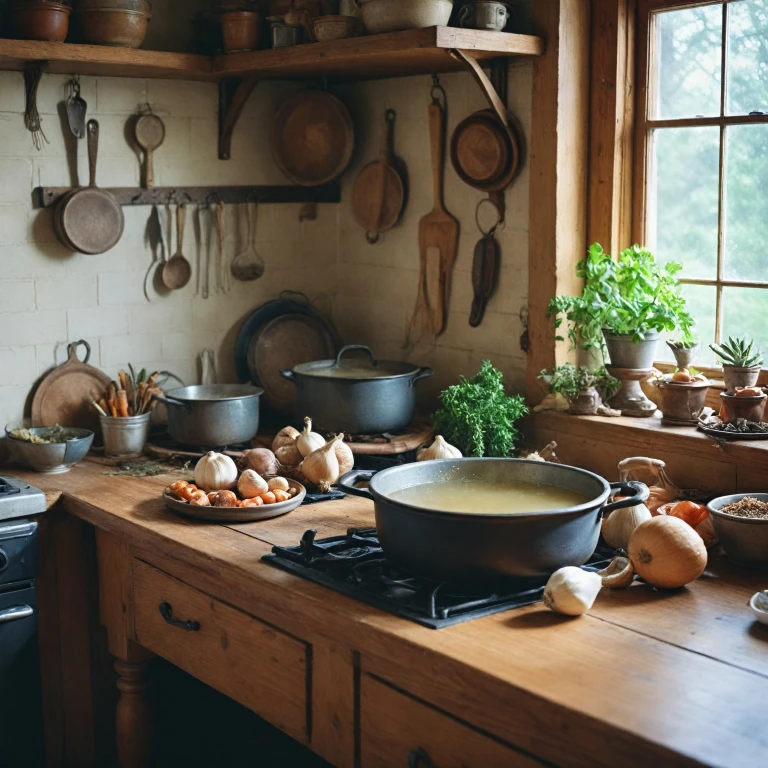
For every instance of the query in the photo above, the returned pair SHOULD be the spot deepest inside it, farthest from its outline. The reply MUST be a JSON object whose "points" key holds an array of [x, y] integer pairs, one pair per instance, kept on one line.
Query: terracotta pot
{"points": [[112, 26], [740, 377], [683, 355], [683, 401], [586, 404], [240, 31], [41, 21], [735, 408]]}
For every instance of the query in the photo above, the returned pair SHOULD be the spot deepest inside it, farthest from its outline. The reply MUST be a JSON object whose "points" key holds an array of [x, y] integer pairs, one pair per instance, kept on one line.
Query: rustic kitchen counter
{"points": [[645, 678]]}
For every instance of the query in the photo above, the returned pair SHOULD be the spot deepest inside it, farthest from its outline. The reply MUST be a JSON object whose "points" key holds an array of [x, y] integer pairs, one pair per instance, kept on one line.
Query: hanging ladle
{"points": [[249, 265], [177, 270]]}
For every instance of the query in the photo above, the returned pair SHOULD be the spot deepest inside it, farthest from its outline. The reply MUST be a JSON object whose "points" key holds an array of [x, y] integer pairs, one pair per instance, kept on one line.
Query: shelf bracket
{"points": [[233, 96]]}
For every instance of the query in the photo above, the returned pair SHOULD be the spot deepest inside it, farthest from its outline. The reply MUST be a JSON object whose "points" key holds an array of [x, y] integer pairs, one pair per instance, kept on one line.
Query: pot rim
{"points": [[751, 399], [588, 506], [649, 336], [742, 368], [308, 370], [723, 501], [252, 392]]}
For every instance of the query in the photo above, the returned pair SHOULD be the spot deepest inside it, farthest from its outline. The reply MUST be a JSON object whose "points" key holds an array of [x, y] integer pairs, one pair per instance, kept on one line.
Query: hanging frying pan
{"points": [[89, 220]]}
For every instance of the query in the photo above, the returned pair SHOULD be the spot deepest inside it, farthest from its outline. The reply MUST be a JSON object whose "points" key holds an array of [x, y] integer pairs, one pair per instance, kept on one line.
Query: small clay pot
{"points": [[586, 404], [682, 402], [735, 408], [112, 26], [683, 355], [240, 31], [740, 377], [329, 28], [41, 21]]}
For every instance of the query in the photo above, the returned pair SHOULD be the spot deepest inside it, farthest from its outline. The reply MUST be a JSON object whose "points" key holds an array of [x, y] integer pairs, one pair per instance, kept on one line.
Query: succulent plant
{"points": [[739, 353]]}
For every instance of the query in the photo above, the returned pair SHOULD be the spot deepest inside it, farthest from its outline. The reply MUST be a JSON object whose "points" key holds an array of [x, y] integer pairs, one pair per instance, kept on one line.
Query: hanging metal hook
{"points": [[438, 92]]}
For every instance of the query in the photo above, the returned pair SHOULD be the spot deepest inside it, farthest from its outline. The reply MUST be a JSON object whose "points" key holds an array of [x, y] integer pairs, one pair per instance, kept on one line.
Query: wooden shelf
{"points": [[412, 52]]}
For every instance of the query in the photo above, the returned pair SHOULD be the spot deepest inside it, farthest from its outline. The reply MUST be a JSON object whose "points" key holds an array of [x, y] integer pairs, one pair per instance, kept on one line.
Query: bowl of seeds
{"points": [[741, 525]]}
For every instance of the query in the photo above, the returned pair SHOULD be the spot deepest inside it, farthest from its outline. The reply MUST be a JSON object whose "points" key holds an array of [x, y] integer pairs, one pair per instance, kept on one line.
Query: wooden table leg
{"points": [[134, 721]]}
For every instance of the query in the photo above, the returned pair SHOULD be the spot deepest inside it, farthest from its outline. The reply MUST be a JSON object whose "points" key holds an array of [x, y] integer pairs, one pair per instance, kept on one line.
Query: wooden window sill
{"points": [[694, 459]]}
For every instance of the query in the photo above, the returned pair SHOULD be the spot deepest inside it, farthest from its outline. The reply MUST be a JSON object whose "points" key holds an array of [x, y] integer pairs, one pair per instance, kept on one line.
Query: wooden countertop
{"points": [[677, 678]]}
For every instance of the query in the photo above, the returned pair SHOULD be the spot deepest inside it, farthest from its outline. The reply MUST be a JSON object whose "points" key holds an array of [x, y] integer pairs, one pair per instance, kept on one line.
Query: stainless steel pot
{"points": [[447, 546], [213, 415], [354, 396]]}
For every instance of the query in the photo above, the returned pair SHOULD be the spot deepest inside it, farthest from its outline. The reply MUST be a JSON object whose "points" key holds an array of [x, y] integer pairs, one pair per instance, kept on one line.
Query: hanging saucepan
{"points": [[88, 219], [477, 546], [357, 396], [486, 147]]}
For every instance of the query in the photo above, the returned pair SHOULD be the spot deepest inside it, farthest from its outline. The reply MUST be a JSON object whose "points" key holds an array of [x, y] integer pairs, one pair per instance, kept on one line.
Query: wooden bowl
{"points": [[112, 26], [240, 31], [41, 21]]}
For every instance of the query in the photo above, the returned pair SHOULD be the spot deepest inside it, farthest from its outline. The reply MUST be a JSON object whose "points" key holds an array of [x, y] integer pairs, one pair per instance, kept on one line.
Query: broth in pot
{"points": [[484, 497]]}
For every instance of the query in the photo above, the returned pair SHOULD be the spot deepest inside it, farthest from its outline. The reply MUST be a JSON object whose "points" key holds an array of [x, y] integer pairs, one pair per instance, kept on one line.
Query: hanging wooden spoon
{"points": [[177, 270], [150, 134]]}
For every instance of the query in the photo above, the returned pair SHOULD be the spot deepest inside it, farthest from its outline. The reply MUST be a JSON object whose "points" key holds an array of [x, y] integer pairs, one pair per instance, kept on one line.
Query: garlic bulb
{"points": [[344, 456], [309, 441], [278, 484], [440, 449], [322, 466], [215, 472], [285, 436], [620, 524], [288, 455], [572, 591], [251, 484]]}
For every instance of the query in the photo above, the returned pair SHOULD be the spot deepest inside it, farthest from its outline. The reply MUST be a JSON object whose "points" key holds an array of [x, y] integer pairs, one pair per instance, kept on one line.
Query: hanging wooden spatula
{"points": [[438, 232]]}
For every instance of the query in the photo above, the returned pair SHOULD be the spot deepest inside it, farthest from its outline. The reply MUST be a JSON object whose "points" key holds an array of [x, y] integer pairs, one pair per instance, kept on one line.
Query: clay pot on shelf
{"points": [[586, 404], [109, 24], [740, 377], [684, 356], [240, 31], [329, 28], [682, 402], [625, 352], [36, 20], [735, 408]]}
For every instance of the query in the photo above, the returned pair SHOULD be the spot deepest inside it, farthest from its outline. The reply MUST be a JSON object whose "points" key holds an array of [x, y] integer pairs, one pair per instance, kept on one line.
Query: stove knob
{"points": [[3, 560]]}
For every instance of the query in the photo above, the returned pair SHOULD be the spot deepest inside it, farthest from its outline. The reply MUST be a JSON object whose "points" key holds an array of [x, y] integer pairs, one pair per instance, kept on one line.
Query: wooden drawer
{"points": [[245, 659], [394, 726]]}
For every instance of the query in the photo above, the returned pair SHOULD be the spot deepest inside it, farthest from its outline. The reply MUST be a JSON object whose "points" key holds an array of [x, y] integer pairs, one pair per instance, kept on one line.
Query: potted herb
{"points": [[624, 307], [478, 417], [584, 389], [683, 350], [741, 362]]}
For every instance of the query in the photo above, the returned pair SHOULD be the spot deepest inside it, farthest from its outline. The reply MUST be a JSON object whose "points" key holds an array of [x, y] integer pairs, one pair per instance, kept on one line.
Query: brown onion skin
{"points": [[260, 460]]}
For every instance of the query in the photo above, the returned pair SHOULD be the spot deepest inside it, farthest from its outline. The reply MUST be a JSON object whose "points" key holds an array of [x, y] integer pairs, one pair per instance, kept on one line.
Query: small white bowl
{"points": [[759, 606]]}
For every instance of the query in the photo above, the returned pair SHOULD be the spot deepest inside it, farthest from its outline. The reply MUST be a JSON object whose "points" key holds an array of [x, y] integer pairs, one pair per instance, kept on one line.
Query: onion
{"points": [[260, 460]]}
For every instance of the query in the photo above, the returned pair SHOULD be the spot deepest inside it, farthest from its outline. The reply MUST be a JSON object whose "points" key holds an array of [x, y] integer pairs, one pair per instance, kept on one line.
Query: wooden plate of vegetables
{"points": [[222, 494]]}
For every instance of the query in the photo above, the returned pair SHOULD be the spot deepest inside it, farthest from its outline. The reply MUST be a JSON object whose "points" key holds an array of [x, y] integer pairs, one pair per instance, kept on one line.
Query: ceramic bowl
{"points": [[329, 28], [392, 15], [51, 458], [112, 26], [41, 21], [744, 539], [759, 606]]}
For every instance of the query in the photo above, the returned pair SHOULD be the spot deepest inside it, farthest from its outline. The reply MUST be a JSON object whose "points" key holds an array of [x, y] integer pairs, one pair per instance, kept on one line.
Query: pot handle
{"points": [[423, 373], [172, 401], [355, 347], [636, 492], [347, 483], [288, 373]]}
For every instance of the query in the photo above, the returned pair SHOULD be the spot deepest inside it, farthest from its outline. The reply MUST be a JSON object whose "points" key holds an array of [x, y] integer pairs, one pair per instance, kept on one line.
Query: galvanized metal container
{"points": [[51, 458], [124, 437], [744, 539]]}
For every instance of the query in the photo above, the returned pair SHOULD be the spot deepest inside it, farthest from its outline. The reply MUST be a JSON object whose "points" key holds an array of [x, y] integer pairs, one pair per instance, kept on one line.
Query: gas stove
{"points": [[17, 499], [355, 565]]}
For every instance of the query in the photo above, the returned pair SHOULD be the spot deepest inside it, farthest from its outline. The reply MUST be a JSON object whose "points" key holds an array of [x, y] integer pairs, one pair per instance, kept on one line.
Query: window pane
{"points": [[745, 313], [683, 199], [746, 203], [702, 304], [689, 59], [747, 64]]}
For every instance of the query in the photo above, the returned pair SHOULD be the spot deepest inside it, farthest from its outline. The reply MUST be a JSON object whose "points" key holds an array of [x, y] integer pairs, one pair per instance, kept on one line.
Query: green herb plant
{"points": [[571, 380], [478, 417], [629, 297], [739, 352]]}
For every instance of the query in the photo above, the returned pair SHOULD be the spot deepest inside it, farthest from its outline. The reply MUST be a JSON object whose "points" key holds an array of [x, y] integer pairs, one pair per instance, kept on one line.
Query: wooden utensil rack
{"points": [[47, 197]]}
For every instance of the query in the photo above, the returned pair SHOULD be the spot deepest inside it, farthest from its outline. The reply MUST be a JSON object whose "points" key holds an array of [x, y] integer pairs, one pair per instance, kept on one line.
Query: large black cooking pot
{"points": [[449, 546], [357, 396]]}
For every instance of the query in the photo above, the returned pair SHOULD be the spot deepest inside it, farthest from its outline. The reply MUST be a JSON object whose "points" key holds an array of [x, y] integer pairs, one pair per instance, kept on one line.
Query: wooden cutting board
{"points": [[63, 396]]}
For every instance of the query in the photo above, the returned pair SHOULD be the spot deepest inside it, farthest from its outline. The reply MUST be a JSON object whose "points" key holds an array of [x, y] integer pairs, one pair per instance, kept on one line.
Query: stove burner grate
{"points": [[355, 565]]}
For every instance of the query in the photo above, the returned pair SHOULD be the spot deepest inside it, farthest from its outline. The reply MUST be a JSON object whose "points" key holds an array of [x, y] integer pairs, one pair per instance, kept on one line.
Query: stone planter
{"points": [[683, 355], [682, 401], [739, 377], [626, 353], [586, 404]]}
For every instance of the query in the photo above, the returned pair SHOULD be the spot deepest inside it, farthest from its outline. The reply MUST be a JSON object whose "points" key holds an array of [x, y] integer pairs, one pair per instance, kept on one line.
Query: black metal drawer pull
{"points": [[166, 611], [419, 757]]}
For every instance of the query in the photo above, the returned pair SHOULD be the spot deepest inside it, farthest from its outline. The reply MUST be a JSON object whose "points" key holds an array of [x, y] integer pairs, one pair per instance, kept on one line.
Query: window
{"points": [[702, 158]]}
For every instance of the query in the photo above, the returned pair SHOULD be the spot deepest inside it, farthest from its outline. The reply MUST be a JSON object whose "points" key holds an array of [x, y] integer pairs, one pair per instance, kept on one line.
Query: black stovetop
{"points": [[356, 566]]}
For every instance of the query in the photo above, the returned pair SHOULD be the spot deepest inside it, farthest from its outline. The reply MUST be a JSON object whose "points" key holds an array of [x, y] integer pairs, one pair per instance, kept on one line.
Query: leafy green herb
{"points": [[478, 417], [570, 380], [632, 296]]}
